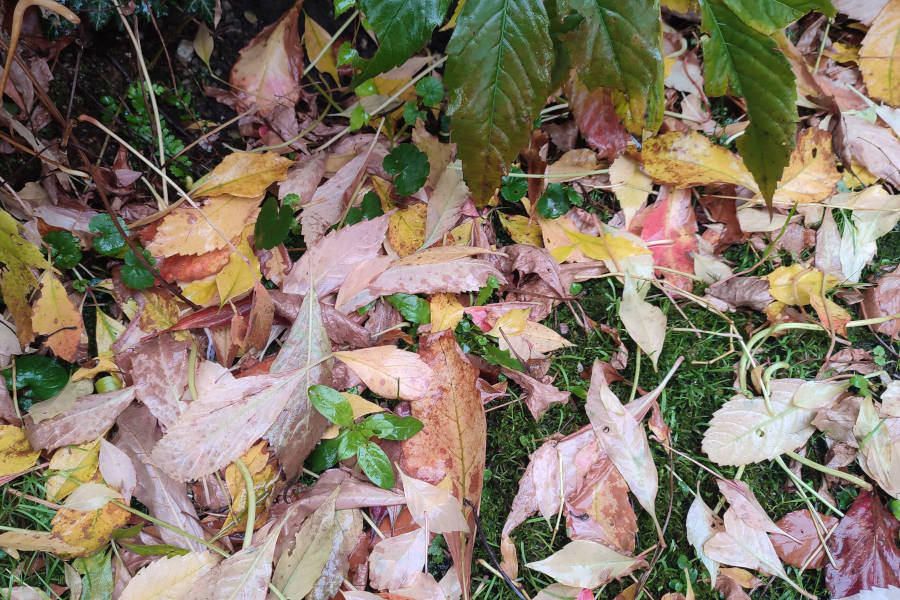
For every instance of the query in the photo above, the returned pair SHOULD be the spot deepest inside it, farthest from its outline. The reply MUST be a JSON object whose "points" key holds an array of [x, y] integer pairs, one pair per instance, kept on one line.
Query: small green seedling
{"points": [[65, 252], [410, 167], [354, 438], [414, 309]]}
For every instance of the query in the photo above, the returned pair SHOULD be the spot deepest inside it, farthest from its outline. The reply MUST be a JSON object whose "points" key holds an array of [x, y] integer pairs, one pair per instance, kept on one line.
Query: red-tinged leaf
{"points": [[807, 552], [165, 498], [159, 368], [864, 547], [595, 114], [88, 418], [672, 218], [179, 267], [463, 275], [538, 395]]}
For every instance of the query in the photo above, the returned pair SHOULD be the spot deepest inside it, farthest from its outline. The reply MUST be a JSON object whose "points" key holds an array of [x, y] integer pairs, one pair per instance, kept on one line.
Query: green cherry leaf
{"points": [[410, 167], [376, 465]]}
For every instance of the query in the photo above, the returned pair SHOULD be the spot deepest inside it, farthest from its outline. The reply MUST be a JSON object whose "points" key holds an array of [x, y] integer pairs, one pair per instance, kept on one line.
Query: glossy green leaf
{"points": [[514, 189], [391, 427], [332, 404], [498, 74], [38, 377], [65, 252], [414, 309], [619, 46], [737, 56], [376, 465], [109, 241], [349, 442], [431, 90], [402, 28], [769, 16], [342, 6], [134, 273], [324, 456], [410, 167], [346, 54], [554, 202], [502, 358], [272, 225]]}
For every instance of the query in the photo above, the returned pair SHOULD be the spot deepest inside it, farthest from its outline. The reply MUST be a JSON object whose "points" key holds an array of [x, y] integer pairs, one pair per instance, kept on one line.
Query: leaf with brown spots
{"points": [[88, 530], [57, 317]]}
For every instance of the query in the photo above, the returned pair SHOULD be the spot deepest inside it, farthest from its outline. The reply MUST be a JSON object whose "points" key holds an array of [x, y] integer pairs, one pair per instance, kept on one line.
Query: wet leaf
{"points": [[169, 577], [17, 280], [672, 218], [700, 525], [645, 323], [445, 204], [73, 466], [390, 372], [88, 530], [242, 576], [272, 225], [409, 166], [395, 560], [315, 39], [586, 564], [56, 316], [88, 418], [16, 454], [432, 507], [684, 160], [879, 449], [184, 231], [879, 55], [807, 553]]}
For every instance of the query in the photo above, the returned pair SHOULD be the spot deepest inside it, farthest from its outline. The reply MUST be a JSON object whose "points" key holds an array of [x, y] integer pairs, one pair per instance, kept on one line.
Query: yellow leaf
{"points": [[361, 407], [237, 277], [811, 175], [243, 174], [688, 159], [462, 233], [446, 312], [315, 38], [185, 231], [17, 280], [161, 310], [830, 314], [265, 476], [630, 186], [556, 240], [169, 577], [203, 43], [16, 454], [532, 341], [35, 541], [879, 55], [522, 230], [842, 53], [201, 291], [107, 332], [88, 530], [57, 317], [796, 283], [511, 322], [406, 230], [682, 6], [103, 365], [606, 246], [72, 466]]}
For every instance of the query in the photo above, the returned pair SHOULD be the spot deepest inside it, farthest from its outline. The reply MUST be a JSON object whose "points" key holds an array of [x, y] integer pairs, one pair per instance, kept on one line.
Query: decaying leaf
{"points": [[395, 560], [56, 317], [432, 507], [586, 564], [16, 453], [645, 323], [390, 372], [807, 552], [169, 577], [88, 418]]}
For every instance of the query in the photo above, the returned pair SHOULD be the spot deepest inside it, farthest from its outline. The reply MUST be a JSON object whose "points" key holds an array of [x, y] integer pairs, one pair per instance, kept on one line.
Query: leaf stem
{"points": [[829, 471], [251, 502], [177, 530]]}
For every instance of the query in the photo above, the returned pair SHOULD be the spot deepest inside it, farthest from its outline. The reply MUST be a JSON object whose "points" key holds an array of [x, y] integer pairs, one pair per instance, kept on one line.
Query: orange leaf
{"points": [[56, 316]]}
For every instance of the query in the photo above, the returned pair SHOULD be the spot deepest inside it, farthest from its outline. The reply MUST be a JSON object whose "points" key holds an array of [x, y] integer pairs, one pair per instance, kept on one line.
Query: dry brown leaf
{"points": [[87, 419], [170, 577], [159, 368], [243, 174], [882, 301], [184, 231], [463, 275], [56, 316], [538, 395], [586, 564], [439, 155], [600, 511], [227, 417], [349, 530], [264, 474], [807, 552], [300, 565], [879, 55]]}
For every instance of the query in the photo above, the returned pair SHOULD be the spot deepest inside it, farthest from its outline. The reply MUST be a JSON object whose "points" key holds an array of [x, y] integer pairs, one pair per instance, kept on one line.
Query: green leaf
{"points": [[109, 241], [98, 576], [431, 90], [554, 202], [411, 113], [332, 404], [619, 46], [358, 118], [502, 358], [410, 167], [65, 252], [134, 273], [368, 209], [769, 16], [376, 465], [155, 549], [738, 56], [402, 28], [489, 288], [39, 377], [324, 456], [342, 6], [346, 54], [514, 189], [348, 443], [272, 225], [414, 309], [391, 427], [498, 74]]}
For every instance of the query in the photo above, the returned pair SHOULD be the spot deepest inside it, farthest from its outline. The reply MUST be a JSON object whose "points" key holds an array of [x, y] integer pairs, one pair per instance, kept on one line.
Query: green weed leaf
{"points": [[391, 427], [431, 90], [410, 167], [155, 549], [554, 202], [348, 443], [498, 74], [134, 273], [109, 241], [37, 377], [342, 6], [402, 28], [737, 56], [332, 404], [65, 252], [502, 358], [769, 16], [618, 46], [514, 189], [272, 225], [414, 309], [376, 465], [324, 456]]}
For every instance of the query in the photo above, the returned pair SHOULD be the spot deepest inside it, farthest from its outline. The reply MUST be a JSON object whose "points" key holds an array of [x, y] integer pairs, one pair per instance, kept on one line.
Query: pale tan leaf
{"points": [[879, 55], [874, 147], [349, 528], [87, 419], [91, 496], [117, 469], [242, 576], [227, 417], [395, 560], [184, 230], [39, 541], [315, 40], [56, 316], [390, 372], [203, 43], [433, 507], [701, 524], [645, 323], [532, 342], [169, 578], [630, 185], [746, 506], [880, 454], [61, 402], [586, 564], [439, 155], [303, 178], [444, 204]]}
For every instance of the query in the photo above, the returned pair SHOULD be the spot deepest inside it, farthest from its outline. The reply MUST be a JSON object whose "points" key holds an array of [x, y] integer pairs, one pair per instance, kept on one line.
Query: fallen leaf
{"points": [[688, 159], [88, 418], [36, 541], [170, 577], [16, 454], [672, 218], [883, 300], [807, 553], [57, 317], [600, 510], [316, 42], [811, 174], [433, 508], [445, 204], [390, 372], [242, 576], [701, 524], [70, 467], [395, 560], [879, 450], [91, 496], [537, 395], [264, 474], [522, 229], [88, 530], [879, 55], [159, 368], [875, 148], [117, 470], [227, 417], [446, 312], [745, 505], [17, 280], [630, 186], [586, 564], [186, 232], [240, 274], [203, 44], [858, 242], [864, 547], [406, 232], [453, 276], [595, 113], [645, 323], [243, 174]]}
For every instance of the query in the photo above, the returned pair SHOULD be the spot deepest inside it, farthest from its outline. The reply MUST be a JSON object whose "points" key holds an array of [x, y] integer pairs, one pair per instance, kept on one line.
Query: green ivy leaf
{"points": [[272, 225], [414, 309], [431, 90], [769, 16], [737, 56], [332, 404], [65, 252], [402, 28], [109, 241], [410, 167], [134, 273], [498, 74], [324, 456], [391, 427], [619, 46], [38, 377], [349, 442], [502, 358], [514, 189], [554, 202], [376, 465]]}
